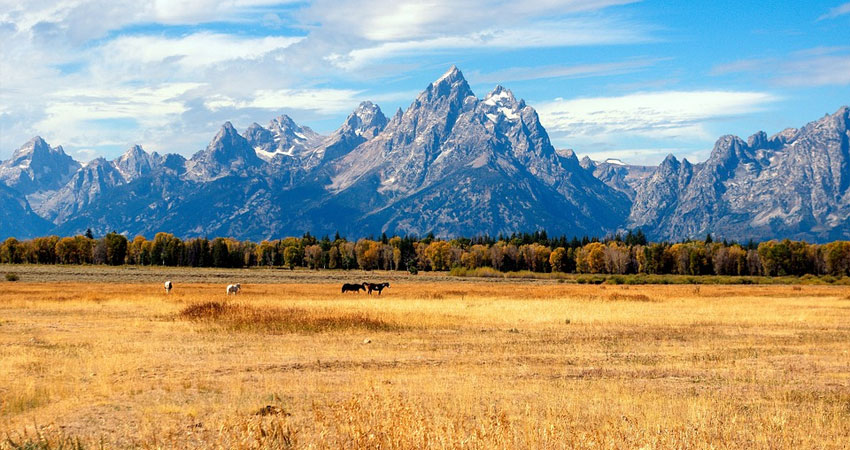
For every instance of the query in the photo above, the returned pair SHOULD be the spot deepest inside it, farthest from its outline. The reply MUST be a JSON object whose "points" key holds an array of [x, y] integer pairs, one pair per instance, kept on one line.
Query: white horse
{"points": [[233, 288], [168, 286]]}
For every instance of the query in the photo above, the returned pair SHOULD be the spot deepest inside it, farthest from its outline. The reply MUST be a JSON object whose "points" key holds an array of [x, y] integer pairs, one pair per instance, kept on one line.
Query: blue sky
{"points": [[610, 78]]}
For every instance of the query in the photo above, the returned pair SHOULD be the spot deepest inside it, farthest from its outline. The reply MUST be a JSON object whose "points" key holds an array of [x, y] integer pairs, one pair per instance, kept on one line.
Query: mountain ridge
{"points": [[450, 164]]}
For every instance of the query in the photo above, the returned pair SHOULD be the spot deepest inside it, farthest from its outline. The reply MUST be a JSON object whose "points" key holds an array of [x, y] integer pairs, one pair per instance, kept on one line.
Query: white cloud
{"points": [[153, 105], [839, 10], [403, 20], [72, 114], [562, 33], [572, 71], [85, 154], [668, 114], [820, 66], [191, 52], [81, 20], [94, 73], [326, 101], [818, 71], [194, 11]]}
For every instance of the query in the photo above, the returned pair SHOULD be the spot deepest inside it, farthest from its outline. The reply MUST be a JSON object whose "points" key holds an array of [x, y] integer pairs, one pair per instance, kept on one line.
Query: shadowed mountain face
{"points": [[17, 219], [451, 164]]}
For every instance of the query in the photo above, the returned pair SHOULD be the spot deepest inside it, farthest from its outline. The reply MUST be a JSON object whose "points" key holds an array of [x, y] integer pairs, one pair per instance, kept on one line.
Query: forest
{"points": [[536, 252]]}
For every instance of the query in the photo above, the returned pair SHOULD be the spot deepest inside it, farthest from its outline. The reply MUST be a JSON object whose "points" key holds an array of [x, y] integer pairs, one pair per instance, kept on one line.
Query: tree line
{"points": [[535, 252]]}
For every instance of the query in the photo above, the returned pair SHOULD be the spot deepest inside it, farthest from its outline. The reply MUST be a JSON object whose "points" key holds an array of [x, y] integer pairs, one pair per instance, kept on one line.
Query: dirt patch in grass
{"points": [[269, 319]]}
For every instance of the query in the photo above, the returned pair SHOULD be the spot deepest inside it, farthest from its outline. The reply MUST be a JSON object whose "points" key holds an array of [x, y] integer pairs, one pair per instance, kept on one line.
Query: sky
{"points": [[634, 80]]}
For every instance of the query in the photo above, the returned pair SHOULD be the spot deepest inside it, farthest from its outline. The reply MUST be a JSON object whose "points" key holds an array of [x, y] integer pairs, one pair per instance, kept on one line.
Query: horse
{"points": [[376, 287], [234, 288], [168, 286], [353, 287]]}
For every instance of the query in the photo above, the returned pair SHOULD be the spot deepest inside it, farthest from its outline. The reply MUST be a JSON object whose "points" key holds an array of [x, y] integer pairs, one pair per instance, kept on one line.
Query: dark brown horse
{"points": [[376, 287], [353, 287]]}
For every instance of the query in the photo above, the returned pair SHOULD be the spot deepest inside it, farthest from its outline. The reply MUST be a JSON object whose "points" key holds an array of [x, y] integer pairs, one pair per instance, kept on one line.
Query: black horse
{"points": [[376, 287], [353, 287]]}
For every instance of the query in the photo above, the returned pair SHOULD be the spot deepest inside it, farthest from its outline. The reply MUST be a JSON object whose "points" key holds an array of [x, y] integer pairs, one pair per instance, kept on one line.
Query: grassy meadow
{"points": [[434, 362]]}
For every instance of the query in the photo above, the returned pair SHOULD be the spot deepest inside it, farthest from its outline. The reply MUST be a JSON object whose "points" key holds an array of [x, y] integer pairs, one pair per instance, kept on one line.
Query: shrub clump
{"points": [[12, 276], [630, 297], [241, 317]]}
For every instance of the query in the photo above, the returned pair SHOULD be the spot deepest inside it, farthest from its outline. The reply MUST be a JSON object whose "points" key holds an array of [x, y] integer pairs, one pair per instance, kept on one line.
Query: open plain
{"points": [[432, 363]]}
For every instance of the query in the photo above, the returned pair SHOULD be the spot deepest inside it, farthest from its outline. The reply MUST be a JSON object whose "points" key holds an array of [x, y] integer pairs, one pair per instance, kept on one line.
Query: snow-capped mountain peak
{"points": [[282, 138], [501, 101]]}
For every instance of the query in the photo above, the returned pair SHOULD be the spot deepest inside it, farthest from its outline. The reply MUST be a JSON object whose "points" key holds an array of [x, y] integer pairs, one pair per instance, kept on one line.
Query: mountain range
{"points": [[450, 164]]}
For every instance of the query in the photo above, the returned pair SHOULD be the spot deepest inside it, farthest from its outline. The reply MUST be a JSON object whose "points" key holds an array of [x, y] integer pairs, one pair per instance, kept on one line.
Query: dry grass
{"points": [[427, 364]]}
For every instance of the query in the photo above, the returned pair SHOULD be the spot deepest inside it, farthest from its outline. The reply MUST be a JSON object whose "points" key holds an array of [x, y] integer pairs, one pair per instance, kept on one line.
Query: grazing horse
{"points": [[168, 286], [353, 287], [376, 287], [233, 288]]}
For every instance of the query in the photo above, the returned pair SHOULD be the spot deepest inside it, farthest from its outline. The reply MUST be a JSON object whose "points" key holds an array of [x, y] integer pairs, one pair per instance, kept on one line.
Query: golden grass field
{"points": [[429, 364]]}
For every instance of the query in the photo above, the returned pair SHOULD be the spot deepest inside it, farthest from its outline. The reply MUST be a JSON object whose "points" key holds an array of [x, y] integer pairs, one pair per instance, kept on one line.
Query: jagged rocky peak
{"points": [[758, 140], [451, 85], [260, 137], [284, 126], [136, 163], [670, 162], [567, 153], [174, 163], [785, 136], [363, 124], [367, 120], [87, 184], [96, 162], [36, 151], [227, 136], [396, 119], [836, 123], [34, 146], [729, 150], [227, 153], [36, 167], [229, 144], [501, 96]]}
